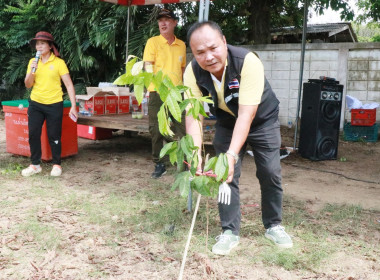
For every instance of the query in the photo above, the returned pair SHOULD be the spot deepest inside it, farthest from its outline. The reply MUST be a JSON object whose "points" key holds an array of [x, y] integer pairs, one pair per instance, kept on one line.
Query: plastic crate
{"points": [[17, 132], [93, 133], [360, 133], [363, 117]]}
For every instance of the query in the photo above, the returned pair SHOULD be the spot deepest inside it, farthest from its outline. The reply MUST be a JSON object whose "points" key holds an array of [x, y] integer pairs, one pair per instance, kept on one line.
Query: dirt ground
{"points": [[352, 179]]}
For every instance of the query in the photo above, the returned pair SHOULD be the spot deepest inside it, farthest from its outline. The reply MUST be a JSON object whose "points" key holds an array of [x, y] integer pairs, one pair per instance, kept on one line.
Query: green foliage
{"points": [[184, 149], [250, 21], [91, 36], [367, 33], [370, 10]]}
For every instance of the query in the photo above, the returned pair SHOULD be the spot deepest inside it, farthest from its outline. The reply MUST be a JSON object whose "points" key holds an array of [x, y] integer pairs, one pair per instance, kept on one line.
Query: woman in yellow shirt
{"points": [[46, 101]]}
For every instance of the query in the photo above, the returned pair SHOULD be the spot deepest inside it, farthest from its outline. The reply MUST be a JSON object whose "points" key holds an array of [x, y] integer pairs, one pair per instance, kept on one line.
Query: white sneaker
{"points": [[56, 171], [31, 170], [226, 242], [278, 235]]}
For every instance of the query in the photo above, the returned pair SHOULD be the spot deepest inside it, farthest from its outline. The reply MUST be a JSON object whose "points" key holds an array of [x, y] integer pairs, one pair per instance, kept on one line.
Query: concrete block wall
{"points": [[355, 65], [364, 77], [282, 68]]}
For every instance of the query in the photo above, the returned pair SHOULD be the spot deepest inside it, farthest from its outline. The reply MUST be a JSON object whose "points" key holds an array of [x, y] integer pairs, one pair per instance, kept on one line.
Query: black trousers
{"points": [[179, 129], [37, 114], [265, 143]]}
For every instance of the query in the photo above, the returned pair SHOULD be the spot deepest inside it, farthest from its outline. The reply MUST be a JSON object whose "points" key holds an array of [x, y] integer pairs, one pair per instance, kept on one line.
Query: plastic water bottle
{"points": [[290, 124], [145, 106]]}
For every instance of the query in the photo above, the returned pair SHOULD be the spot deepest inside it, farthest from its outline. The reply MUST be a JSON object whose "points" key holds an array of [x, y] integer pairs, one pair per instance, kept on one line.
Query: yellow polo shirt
{"points": [[251, 83], [168, 58], [47, 87]]}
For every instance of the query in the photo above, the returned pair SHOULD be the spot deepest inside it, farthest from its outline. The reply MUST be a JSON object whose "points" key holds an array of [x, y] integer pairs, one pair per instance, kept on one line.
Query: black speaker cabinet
{"points": [[320, 119]]}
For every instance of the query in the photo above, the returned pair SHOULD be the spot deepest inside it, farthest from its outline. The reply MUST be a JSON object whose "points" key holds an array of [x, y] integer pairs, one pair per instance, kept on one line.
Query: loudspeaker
{"points": [[320, 119]]}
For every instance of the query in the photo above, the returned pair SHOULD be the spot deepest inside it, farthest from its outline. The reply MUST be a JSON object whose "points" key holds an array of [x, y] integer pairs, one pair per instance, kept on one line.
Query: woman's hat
{"points": [[45, 36]]}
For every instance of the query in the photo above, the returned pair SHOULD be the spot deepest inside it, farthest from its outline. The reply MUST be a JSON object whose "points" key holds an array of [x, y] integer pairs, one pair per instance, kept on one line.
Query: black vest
{"points": [[267, 112]]}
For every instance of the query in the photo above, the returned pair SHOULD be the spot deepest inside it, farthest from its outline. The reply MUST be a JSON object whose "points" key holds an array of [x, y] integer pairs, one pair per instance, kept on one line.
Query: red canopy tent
{"points": [[145, 2]]}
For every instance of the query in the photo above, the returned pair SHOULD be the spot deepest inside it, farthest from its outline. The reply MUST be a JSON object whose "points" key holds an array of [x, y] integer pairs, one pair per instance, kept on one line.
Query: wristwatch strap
{"points": [[235, 156]]}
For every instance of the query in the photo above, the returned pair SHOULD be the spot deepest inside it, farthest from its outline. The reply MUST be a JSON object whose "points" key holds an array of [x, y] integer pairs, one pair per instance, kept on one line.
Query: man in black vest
{"points": [[246, 110]]}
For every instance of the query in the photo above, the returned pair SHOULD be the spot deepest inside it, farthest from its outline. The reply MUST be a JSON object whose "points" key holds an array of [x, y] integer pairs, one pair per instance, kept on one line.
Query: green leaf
{"points": [[194, 161], [122, 80], [139, 90], [173, 108], [157, 80], [163, 91], [167, 148], [210, 164], [168, 82], [221, 167], [129, 66], [201, 185], [202, 111], [183, 145], [183, 182], [182, 88], [180, 159], [148, 77], [175, 93], [184, 104], [173, 157], [206, 99], [163, 122]]}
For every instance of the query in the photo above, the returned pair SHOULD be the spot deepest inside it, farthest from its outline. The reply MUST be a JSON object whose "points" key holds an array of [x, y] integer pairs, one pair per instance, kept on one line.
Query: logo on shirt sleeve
{"points": [[180, 58], [233, 84]]}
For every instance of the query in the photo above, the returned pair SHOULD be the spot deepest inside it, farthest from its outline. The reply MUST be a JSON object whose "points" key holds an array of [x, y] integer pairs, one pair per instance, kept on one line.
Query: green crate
{"points": [[25, 103], [360, 133]]}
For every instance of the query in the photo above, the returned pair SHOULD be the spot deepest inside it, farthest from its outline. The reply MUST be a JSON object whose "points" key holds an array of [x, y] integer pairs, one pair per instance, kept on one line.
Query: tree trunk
{"points": [[259, 21]]}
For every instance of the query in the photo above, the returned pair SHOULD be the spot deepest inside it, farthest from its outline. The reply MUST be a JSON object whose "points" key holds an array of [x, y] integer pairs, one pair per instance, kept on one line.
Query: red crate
{"points": [[94, 133], [363, 117]]}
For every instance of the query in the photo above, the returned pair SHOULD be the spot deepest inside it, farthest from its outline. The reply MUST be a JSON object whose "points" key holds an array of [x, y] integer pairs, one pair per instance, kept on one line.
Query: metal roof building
{"points": [[316, 33]]}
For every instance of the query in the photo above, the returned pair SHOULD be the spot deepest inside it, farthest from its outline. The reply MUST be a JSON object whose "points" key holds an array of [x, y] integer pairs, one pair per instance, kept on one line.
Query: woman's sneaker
{"points": [[31, 170], [56, 171], [226, 242], [278, 235]]}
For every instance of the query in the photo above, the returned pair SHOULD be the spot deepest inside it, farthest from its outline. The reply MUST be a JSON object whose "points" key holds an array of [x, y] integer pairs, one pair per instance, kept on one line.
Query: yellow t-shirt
{"points": [[47, 87], [251, 83], [168, 58]]}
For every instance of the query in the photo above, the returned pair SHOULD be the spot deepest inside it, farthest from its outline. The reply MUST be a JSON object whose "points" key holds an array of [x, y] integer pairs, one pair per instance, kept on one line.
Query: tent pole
{"points": [[304, 33], [201, 10], [206, 11], [126, 48]]}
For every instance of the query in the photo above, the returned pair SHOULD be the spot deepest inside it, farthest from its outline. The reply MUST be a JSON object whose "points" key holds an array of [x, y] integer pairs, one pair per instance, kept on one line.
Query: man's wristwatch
{"points": [[235, 156]]}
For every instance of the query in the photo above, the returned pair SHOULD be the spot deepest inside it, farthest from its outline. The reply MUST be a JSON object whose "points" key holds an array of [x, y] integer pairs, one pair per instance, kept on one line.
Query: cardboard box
{"points": [[123, 105], [17, 132], [92, 104], [123, 100], [110, 100], [123, 94], [111, 104]]}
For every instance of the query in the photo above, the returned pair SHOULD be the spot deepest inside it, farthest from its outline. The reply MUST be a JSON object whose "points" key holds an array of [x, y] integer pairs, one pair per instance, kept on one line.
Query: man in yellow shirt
{"points": [[246, 110], [168, 54]]}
